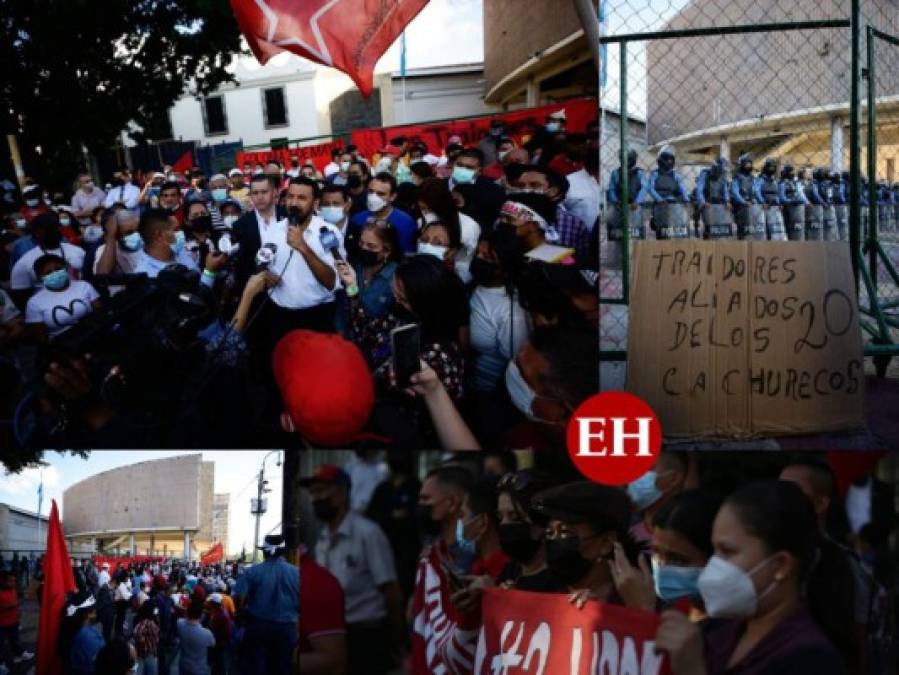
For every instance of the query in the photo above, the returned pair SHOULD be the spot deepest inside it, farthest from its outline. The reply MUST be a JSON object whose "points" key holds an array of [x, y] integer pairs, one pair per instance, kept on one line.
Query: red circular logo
{"points": [[614, 438]]}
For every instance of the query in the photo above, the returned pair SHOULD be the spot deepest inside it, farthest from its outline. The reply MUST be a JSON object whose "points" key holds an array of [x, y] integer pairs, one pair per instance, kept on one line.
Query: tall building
{"points": [[220, 519], [162, 507]]}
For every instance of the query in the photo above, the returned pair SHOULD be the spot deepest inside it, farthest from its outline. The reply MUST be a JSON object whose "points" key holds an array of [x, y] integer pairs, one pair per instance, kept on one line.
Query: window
{"points": [[274, 110], [214, 119]]}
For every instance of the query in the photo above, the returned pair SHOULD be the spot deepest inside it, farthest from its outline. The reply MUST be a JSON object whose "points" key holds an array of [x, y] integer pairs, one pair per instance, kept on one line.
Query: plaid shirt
{"points": [[573, 233]]}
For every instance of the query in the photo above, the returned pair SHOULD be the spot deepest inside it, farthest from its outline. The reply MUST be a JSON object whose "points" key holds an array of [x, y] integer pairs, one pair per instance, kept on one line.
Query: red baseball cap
{"points": [[328, 474], [325, 384]]}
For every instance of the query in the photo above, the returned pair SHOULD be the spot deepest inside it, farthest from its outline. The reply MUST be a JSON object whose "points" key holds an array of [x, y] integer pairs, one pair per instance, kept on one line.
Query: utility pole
{"points": [[258, 509], [290, 506]]}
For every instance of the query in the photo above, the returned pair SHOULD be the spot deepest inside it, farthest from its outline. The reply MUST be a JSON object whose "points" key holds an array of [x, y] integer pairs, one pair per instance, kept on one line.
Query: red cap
{"points": [[329, 474], [325, 384]]}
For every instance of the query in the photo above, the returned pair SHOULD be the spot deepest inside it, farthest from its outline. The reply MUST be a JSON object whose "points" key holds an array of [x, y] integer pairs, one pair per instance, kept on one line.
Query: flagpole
{"points": [[403, 73], [40, 500]]}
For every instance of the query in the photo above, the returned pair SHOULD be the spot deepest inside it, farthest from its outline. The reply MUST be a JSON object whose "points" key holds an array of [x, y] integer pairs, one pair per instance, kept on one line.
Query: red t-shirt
{"points": [[492, 565], [321, 603], [9, 607]]}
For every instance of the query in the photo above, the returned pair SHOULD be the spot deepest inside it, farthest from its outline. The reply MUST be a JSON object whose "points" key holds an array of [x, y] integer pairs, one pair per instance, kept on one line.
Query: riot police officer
{"points": [[814, 211], [747, 200], [669, 194], [792, 197], [884, 207], [828, 212], [636, 196], [712, 196], [768, 186], [840, 202]]}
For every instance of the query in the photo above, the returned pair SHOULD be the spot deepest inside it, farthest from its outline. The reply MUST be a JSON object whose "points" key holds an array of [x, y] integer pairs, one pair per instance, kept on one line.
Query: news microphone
{"points": [[293, 215], [330, 242], [265, 256]]}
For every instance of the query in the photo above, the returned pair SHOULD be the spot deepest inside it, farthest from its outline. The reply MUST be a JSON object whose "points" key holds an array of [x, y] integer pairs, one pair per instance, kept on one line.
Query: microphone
{"points": [[265, 256], [293, 215], [330, 242]]}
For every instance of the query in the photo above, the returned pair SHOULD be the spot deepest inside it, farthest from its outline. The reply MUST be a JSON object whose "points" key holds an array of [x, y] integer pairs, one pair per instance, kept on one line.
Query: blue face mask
{"points": [[131, 242], [56, 281], [463, 175], [643, 491], [178, 245], [220, 194], [673, 582], [464, 551], [553, 127]]}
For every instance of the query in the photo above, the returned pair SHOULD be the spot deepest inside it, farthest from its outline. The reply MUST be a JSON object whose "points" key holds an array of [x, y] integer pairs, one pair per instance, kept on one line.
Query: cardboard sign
{"points": [[544, 634], [519, 124], [737, 338]]}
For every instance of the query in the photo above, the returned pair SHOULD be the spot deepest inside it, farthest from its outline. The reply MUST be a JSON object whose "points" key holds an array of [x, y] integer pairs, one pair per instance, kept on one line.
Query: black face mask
{"points": [[324, 510], [564, 560], [368, 258], [426, 523], [516, 542], [483, 272], [201, 224], [50, 239], [353, 182]]}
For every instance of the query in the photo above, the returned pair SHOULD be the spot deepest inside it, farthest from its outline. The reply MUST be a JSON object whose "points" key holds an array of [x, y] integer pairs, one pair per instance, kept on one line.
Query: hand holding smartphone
{"points": [[405, 342]]}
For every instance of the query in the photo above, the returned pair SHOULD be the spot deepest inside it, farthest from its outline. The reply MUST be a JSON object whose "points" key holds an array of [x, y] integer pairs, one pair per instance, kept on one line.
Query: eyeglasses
{"points": [[378, 222]]}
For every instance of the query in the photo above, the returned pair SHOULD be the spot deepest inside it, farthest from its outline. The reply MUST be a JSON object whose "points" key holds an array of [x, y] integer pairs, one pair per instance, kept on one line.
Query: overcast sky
{"points": [[235, 473]]}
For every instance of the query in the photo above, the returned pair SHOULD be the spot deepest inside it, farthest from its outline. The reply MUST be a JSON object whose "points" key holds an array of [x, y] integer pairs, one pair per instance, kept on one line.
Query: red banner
{"points": [[350, 35], [520, 125], [319, 154], [125, 561], [213, 555], [544, 634]]}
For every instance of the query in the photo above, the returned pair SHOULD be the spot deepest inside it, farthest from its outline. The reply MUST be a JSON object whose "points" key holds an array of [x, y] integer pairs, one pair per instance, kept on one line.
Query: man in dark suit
{"points": [[246, 229], [488, 195]]}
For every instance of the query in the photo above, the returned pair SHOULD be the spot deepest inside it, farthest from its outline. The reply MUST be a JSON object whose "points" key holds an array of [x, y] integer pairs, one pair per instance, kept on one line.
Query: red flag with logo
{"points": [[58, 581], [544, 633], [350, 35]]}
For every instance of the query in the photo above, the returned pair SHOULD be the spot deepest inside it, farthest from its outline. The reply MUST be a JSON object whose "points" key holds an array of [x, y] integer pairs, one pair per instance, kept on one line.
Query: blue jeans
{"points": [[269, 646], [147, 666]]}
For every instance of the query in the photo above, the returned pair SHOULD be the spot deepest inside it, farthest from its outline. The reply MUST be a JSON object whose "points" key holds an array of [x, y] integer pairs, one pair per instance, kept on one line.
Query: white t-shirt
{"points": [[498, 330], [299, 288], [8, 311], [125, 261], [331, 168], [583, 197], [59, 310], [23, 276]]}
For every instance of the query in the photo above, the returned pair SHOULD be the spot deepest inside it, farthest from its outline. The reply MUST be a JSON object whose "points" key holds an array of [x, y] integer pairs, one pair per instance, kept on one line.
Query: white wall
{"points": [[437, 97]]}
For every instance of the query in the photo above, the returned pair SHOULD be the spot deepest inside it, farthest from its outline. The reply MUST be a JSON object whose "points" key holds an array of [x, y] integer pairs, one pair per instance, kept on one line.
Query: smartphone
{"points": [[405, 342]]}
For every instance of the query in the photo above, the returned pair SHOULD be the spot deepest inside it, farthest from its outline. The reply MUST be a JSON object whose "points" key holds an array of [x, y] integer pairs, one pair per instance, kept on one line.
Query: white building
{"points": [[19, 531], [292, 98]]}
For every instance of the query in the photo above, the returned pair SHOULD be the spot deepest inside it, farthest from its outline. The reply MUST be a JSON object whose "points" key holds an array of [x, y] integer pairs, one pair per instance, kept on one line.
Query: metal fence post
{"points": [[625, 188], [854, 144], [873, 212]]}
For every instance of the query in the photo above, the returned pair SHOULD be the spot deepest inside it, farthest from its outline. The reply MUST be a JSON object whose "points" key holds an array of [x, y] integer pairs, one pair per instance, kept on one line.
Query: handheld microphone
{"points": [[265, 256], [293, 216], [330, 242]]}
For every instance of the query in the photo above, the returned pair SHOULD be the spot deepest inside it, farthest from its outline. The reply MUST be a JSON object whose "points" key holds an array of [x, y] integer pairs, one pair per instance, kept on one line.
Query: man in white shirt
{"points": [[45, 231], [103, 577], [86, 199], [123, 190], [583, 197], [334, 165], [164, 246]]}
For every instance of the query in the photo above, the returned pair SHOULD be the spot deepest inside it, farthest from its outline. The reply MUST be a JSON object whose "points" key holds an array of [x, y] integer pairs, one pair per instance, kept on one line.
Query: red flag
{"points": [[350, 35], [184, 162], [213, 555], [58, 580]]}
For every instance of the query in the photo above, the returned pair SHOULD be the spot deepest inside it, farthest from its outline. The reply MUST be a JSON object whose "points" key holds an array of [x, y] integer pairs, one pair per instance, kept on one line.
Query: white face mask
{"points": [[332, 214], [93, 233], [438, 252], [727, 589], [229, 220], [65, 222], [374, 202], [31, 203], [430, 217]]}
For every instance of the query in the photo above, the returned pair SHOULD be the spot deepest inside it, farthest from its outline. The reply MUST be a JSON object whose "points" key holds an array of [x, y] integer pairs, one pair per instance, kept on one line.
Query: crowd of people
{"points": [[778, 203], [148, 311], [754, 564]]}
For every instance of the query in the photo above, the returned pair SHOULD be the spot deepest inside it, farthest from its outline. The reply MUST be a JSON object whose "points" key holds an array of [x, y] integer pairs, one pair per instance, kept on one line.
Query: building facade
{"points": [[161, 507], [221, 518], [21, 530]]}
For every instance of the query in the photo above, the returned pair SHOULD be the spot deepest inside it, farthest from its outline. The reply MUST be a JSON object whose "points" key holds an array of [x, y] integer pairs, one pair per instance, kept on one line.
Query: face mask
{"points": [[483, 271], [368, 258], [201, 223], [463, 175], [403, 175], [31, 203], [502, 154], [131, 242], [496, 132], [564, 559], [643, 491], [727, 589], [64, 222], [553, 127], [674, 582], [516, 542], [21, 223], [353, 182], [92, 233], [220, 194], [344, 166], [438, 252], [426, 522], [229, 221], [56, 281], [324, 510], [332, 214], [463, 551], [430, 217], [374, 202], [178, 245]]}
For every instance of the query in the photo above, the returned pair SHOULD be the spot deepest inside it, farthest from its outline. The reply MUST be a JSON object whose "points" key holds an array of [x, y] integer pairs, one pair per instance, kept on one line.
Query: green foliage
{"points": [[14, 461], [78, 71]]}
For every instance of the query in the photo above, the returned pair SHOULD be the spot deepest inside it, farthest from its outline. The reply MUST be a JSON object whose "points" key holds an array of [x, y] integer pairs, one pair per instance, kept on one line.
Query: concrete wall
{"points": [[514, 30], [439, 96], [163, 493], [696, 83], [19, 531]]}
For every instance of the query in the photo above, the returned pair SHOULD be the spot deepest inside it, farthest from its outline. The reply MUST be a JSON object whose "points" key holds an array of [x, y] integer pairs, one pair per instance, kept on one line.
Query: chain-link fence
{"points": [[765, 86]]}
